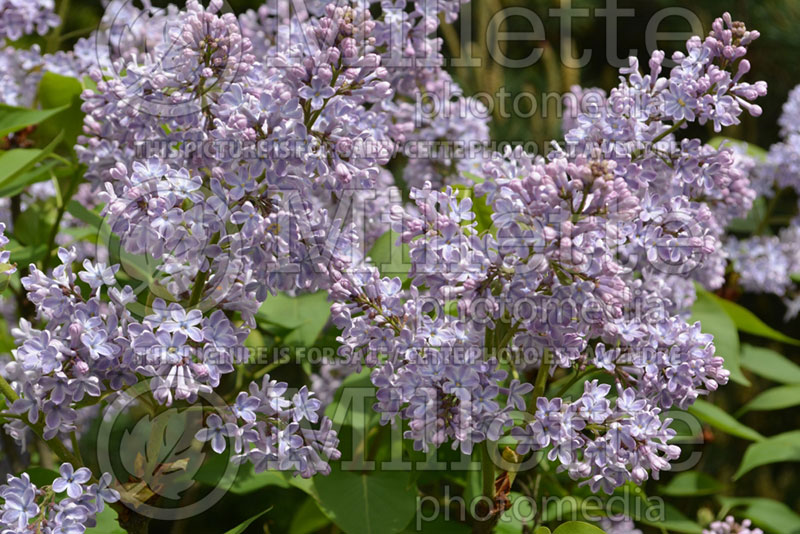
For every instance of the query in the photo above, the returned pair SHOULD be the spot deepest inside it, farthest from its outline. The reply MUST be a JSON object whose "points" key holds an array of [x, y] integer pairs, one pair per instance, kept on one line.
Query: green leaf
{"points": [[107, 523], [21, 181], [356, 409], [691, 484], [716, 322], [390, 258], [24, 255], [781, 448], [769, 364], [716, 417], [17, 161], [305, 315], [243, 526], [773, 516], [577, 527], [31, 227], [308, 518], [13, 119], [63, 92], [750, 223], [79, 211], [746, 321], [774, 399], [381, 502]]}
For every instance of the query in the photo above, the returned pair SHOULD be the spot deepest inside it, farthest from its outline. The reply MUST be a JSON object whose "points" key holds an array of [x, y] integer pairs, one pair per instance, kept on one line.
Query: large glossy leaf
{"points": [[774, 399], [716, 322], [691, 484], [781, 448], [772, 516], [718, 418], [13, 119], [769, 364], [381, 502]]}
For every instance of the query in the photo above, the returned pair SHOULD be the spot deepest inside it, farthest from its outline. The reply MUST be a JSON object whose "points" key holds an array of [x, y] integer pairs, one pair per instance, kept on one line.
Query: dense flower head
{"points": [[70, 504], [18, 18], [272, 430], [768, 263]]}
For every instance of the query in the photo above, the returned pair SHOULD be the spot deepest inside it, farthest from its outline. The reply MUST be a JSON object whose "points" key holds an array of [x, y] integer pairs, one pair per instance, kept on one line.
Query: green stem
{"points": [[197, 290], [541, 380], [488, 519], [487, 472], [7, 391], [51, 240], [76, 450]]}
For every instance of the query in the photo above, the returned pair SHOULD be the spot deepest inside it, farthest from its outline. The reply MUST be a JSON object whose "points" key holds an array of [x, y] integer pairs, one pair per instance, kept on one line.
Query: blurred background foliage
{"points": [[774, 58]]}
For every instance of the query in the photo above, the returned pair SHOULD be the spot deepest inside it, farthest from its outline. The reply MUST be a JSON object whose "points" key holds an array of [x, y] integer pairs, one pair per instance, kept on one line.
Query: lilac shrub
{"points": [[246, 157]]}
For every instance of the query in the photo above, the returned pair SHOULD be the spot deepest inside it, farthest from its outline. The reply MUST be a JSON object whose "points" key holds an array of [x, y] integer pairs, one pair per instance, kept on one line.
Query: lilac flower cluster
{"points": [[27, 508], [272, 125], [767, 263], [627, 440], [591, 229], [730, 526], [273, 434], [21, 17], [679, 180], [90, 345]]}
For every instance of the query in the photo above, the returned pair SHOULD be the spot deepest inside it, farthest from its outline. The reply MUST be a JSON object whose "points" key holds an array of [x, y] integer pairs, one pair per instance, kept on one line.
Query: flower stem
{"points": [[541, 380]]}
